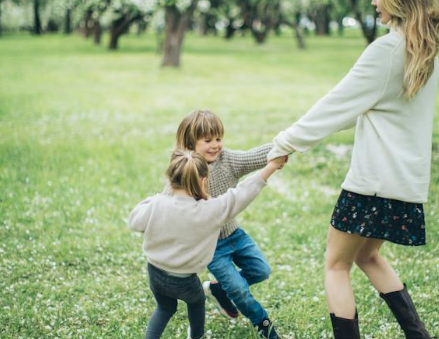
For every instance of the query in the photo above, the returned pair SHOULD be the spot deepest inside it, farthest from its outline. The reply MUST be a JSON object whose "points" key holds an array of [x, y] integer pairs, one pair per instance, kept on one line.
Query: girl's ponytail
{"points": [[186, 171]]}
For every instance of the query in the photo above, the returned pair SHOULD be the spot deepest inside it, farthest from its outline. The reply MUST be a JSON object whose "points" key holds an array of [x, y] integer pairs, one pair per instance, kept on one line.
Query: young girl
{"points": [[389, 95], [202, 131], [181, 231]]}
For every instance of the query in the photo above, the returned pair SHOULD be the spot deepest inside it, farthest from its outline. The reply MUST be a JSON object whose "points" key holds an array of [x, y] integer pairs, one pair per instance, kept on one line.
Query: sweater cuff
{"points": [[257, 179], [281, 147]]}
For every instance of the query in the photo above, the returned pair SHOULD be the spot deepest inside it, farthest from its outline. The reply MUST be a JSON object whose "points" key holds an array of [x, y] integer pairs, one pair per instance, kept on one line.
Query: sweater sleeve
{"points": [[139, 217], [357, 93], [235, 200], [245, 162]]}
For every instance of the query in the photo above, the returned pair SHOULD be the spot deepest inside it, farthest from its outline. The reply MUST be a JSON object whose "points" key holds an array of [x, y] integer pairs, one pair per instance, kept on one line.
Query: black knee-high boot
{"points": [[345, 328], [402, 307]]}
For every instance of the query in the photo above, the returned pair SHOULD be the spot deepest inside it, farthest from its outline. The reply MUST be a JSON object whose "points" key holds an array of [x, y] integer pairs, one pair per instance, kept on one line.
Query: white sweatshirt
{"points": [[181, 233], [392, 150]]}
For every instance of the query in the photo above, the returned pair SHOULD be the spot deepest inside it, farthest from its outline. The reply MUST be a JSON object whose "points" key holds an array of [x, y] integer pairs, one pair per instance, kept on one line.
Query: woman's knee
{"points": [[367, 259], [334, 263]]}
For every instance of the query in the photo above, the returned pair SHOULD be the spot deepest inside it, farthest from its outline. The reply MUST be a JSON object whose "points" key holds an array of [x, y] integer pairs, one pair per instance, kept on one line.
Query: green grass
{"points": [[86, 133]]}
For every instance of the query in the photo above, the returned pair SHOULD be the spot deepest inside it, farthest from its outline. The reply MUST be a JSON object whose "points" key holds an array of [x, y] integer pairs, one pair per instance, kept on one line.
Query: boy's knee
{"points": [[266, 272], [236, 287], [239, 295], [262, 274], [217, 266]]}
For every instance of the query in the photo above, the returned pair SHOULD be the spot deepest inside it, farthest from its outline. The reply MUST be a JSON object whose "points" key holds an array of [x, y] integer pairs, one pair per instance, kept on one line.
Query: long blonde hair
{"points": [[187, 170], [419, 20], [197, 125]]}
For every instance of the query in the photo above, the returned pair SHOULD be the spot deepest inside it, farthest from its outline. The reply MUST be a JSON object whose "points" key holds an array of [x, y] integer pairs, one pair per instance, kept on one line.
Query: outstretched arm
{"points": [[237, 199], [356, 94], [245, 162]]}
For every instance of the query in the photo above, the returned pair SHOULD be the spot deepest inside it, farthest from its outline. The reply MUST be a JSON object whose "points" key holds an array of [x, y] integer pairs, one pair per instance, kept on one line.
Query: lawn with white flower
{"points": [[86, 133]]}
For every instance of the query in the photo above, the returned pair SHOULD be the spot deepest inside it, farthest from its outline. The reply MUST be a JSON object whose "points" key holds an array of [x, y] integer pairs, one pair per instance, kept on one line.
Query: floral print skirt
{"points": [[373, 217]]}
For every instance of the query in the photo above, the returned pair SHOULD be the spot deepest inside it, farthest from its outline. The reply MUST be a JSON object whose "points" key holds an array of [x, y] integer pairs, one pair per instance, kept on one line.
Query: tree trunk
{"points": [[115, 33], [119, 27], [0, 17], [298, 31], [87, 23], [230, 30], [276, 28], [204, 25], [52, 26], [68, 21], [299, 36], [295, 25], [369, 34], [141, 28], [37, 21], [340, 26], [176, 25], [97, 32], [321, 19], [259, 36]]}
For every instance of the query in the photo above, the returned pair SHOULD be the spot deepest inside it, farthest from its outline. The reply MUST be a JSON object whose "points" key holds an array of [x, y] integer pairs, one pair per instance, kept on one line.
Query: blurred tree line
{"points": [[171, 19]]}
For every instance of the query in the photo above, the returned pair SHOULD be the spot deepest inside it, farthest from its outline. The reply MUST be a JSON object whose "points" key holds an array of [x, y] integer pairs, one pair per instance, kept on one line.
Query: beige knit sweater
{"points": [[180, 233]]}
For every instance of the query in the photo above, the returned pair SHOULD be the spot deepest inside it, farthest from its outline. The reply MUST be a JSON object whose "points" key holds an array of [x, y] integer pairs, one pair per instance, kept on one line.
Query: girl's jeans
{"points": [[240, 250], [167, 289]]}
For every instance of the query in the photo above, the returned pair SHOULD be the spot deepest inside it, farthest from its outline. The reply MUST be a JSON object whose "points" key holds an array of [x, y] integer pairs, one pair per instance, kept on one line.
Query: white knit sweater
{"points": [[392, 150]]}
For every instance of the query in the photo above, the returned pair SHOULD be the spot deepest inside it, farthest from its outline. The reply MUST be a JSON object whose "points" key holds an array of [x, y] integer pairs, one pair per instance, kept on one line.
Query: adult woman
{"points": [[389, 96]]}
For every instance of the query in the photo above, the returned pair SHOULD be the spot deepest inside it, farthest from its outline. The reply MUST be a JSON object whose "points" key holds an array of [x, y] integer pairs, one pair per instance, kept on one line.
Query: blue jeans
{"points": [[167, 289], [239, 249]]}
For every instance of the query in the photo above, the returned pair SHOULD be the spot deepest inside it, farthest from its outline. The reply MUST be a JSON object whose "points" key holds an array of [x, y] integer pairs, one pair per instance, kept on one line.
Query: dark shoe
{"points": [[402, 307], [213, 290], [267, 330], [345, 328]]}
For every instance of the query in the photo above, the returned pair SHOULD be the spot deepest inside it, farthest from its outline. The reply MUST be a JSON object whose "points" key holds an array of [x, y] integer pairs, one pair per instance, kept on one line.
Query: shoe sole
{"points": [[208, 294]]}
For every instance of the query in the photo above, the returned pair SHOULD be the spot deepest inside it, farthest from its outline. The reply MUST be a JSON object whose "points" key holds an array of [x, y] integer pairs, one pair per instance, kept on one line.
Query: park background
{"points": [[87, 127]]}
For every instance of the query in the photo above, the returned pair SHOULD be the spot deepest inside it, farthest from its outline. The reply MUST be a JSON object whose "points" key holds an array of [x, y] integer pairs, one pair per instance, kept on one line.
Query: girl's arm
{"points": [[245, 162], [138, 219], [356, 94], [235, 200]]}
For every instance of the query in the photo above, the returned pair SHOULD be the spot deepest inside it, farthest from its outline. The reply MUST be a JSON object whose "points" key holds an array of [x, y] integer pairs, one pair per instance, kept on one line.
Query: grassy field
{"points": [[86, 133]]}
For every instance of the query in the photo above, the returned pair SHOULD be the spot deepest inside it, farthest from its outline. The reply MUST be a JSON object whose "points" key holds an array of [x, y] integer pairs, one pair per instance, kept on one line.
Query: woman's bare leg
{"points": [[382, 276], [341, 251]]}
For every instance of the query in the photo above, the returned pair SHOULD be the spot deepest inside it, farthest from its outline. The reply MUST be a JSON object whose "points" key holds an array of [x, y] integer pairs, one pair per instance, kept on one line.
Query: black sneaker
{"points": [[267, 330], [213, 290]]}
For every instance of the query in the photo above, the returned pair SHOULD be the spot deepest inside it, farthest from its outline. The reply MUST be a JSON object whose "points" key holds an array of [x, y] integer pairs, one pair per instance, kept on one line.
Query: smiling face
{"points": [[209, 147], [384, 15]]}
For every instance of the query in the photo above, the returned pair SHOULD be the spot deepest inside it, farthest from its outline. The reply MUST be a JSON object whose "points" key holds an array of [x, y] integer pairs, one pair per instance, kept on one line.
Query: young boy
{"points": [[202, 132]]}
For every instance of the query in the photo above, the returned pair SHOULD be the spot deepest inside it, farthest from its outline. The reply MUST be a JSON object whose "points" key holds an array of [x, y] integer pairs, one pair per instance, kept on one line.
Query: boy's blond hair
{"points": [[198, 125], [186, 171]]}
